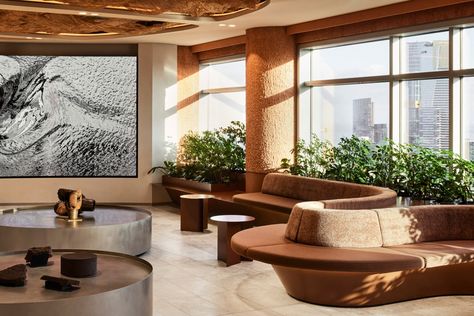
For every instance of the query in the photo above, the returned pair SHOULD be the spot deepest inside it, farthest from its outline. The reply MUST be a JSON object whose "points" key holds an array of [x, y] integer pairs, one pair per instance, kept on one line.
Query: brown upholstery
{"points": [[282, 191], [432, 242], [426, 223], [440, 253], [275, 250], [280, 203], [311, 224]]}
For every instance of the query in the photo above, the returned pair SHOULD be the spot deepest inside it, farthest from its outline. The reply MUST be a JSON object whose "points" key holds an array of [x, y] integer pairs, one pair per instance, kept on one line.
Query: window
{"points": [[468, 118], [222, 98], [399, 87]]}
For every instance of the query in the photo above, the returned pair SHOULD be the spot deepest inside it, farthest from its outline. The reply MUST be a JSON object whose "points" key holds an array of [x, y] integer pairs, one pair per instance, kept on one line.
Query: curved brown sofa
{"points": [[367, 257], [281, 192]]}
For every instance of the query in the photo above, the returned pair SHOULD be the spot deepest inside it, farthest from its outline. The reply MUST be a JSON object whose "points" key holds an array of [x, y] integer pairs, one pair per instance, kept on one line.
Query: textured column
{"points": [[188, 91], [270, 105]]}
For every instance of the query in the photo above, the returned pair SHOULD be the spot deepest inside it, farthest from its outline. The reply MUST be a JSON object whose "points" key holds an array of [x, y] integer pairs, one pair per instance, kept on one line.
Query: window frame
{"points": [[394, 78]]}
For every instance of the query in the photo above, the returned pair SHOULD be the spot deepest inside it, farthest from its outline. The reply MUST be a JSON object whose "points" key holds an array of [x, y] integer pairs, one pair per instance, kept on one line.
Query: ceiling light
{"points": [[94, 14], [222, 24], [82, 13], [29, 37], [231, 25], [38, 38]]}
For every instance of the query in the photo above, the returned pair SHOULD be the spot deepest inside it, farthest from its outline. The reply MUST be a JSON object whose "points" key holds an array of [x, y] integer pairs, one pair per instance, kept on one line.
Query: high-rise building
{"points": [[380, 133], [363, 118], [428, 100]]}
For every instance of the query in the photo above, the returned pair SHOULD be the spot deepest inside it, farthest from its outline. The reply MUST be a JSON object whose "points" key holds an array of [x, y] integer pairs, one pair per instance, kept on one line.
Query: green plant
{"points": [[410, 170], [311, 160], [352, 161], [211, 156]]}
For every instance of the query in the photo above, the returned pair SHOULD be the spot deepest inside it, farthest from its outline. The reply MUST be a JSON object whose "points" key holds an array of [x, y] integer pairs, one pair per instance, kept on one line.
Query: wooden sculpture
{"points": [[71, 203]]}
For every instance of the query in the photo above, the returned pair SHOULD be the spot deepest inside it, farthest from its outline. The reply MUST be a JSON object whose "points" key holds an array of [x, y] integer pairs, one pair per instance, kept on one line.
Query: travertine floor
{"points": [[188, 280]]}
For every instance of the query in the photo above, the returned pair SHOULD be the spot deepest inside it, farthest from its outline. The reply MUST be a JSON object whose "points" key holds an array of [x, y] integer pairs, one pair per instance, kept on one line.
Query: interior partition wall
{"points": [[410, 87]]}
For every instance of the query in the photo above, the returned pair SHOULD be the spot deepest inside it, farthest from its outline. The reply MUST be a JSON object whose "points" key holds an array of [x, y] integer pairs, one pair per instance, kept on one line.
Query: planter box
{"points": [[204, 186]]}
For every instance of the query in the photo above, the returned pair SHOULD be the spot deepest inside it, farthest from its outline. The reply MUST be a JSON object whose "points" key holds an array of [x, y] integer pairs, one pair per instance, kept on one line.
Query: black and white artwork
{"points": [[68, 116]]}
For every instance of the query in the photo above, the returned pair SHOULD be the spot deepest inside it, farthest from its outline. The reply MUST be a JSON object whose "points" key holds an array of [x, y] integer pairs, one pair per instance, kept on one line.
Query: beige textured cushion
{"points": [[426, 223], [311, 224]]}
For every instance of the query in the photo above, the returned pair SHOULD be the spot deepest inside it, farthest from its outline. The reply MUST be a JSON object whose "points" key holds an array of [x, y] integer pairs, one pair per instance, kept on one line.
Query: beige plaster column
{"points": [[270, 108]]}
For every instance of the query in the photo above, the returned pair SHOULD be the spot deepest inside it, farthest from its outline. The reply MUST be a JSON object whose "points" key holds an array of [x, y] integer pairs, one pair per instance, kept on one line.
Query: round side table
{"points": [[227, 226], [194, 212]]}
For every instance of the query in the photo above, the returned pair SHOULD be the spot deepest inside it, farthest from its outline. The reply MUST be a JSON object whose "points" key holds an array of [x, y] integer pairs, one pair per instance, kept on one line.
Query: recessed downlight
{"points": [[231, 25], [222, 24], [82, 13]]}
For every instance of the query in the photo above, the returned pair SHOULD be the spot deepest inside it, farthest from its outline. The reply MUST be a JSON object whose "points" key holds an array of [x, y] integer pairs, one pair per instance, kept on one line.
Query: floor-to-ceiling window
{"points": [[412, 88], [222, 99]]}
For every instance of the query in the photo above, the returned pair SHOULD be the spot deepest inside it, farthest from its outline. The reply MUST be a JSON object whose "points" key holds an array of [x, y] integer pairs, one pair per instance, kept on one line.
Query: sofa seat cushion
{"points": [[264, 236], [440, 253], [313, 225], [267, 244], [426, 223], [278, 203]]}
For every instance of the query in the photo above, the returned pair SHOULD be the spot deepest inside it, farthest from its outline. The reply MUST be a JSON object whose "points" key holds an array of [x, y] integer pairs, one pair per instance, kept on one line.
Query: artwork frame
{"points": [[129, 169]]}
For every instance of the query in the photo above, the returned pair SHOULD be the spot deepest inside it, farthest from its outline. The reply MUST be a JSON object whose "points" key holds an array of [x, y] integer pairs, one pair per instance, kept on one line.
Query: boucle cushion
{"points": [[426, 223], [311, 224]]}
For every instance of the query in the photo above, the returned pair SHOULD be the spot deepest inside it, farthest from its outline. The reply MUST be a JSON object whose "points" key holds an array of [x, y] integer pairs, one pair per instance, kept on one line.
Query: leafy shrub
{"points": [[410, 170], [211, 156]]}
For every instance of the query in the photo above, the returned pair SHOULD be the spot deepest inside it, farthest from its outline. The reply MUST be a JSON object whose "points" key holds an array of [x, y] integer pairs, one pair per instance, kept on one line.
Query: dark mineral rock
{"points": [[60, 284], [88, 205], [38, 256], [13, 276]]}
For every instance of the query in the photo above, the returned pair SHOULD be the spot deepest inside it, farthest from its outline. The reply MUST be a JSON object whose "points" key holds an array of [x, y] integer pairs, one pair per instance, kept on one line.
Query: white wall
{"points": [[156, 106]]}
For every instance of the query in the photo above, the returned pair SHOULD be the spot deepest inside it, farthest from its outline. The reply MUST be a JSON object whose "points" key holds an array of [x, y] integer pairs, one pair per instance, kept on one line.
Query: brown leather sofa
{"points": [[281, 191], [367, 257]]}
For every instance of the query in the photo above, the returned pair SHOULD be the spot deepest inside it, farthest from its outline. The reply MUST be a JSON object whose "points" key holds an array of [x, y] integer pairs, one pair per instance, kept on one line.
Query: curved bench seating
{"points": [[281, 192], [367, 257]]}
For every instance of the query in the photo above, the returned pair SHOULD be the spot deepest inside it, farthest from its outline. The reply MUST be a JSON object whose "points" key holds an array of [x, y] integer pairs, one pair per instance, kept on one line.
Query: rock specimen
{"points": [[60, 284], [13, 276], [38, 256]]}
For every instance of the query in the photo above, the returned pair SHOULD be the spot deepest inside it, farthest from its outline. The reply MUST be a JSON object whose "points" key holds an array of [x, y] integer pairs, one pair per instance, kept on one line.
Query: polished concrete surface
{"points": [[188, 280], [122, 287], [109, 228]]}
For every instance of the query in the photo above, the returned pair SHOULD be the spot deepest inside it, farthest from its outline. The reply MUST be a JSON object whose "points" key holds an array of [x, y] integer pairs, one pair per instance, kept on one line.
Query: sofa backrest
{"points": [[313, 189], [311, 224], [426, 223]]}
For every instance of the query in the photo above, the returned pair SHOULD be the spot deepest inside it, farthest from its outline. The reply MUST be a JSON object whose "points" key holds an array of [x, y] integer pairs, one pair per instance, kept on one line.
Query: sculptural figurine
{"points": [[72, 203]]}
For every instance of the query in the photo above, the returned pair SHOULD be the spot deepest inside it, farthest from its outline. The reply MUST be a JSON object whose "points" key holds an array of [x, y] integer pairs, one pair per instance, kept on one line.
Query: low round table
{"points": [[227, 226], [109, 228], [194, 212], [122, 287]]}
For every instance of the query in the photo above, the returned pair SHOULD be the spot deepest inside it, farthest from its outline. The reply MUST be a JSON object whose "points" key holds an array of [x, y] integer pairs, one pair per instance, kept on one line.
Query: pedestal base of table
{"points": [[227, 226], [194, 212]]}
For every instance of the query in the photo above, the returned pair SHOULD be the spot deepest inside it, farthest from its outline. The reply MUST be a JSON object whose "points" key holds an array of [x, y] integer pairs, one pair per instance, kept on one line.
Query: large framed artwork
{"points": [[68, 116]]}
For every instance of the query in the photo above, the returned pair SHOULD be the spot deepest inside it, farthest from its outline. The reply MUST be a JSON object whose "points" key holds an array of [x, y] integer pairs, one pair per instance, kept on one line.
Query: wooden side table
{"points": [[194, 212], [227, 226]]}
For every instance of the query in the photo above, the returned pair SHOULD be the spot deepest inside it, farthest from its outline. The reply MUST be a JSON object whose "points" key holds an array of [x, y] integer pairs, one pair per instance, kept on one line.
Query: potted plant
{"points": [[208, 161], [419, 175]]}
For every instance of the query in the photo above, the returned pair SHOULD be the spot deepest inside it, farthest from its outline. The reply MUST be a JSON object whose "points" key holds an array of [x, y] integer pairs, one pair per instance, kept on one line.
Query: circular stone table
{"points": [[109, 228], [122, 287]]}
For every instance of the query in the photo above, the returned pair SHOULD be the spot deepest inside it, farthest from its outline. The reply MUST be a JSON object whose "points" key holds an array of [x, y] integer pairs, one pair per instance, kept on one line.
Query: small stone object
{"points": [[60, 284], [38, 256], [13, 276], [79, 264]]}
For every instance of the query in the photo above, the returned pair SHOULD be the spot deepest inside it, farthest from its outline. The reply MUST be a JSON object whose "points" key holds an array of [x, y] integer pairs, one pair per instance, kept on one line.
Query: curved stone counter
{"points": [[122, 287], [109, 228]]}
